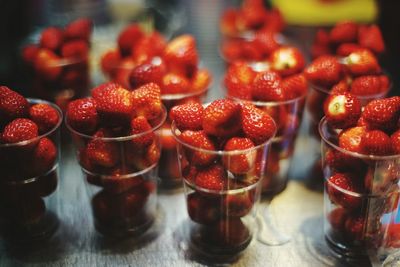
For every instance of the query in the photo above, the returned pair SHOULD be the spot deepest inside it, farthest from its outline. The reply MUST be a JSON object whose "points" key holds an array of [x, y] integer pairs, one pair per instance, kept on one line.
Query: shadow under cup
{"points": [[29, 199], [357, 221]]}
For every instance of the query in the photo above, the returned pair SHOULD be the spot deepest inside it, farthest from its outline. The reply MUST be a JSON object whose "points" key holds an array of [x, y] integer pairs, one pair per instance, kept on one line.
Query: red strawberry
{"points": [[295, 86], [320, 45], [143, 158], [250, 51], [276, 21], [231, 50], [200, 80], [140, 125], [146, 101], [12, 105], [51, 38], [395, 138], [322, 37], [19, 130], [45, 116], [110, 61], [82, 115], [227, 24], [324, 71], [340, 187], [243, 158], [337, 218], [382, 114], [114, 105], [150, 71], [102, 153], [75, 49], [366, 85], [344, 32], [342, 111], [174, 84], [385, 83], [266, 42], [128, 38], [79, 29], [354, 227], [212, 178], [149, 46], [29, 53], [376, 142], [341, 87], [200, 140], [253, 16], [203, 209], [221, 118], [350, 139], [346, 49], [228, 232], [47, 64], [44, 156], [342, 162], [371, 38], [257, 125], [267, 86], [118, 183], [188, 116], [362, 62], [122, 71], [239, 204], [238, 80], [287, 61]]}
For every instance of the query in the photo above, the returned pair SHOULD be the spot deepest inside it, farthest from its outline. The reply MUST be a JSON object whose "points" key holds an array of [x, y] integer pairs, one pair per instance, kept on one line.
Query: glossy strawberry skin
{"points": [[79, 29], [150, 71], [188, 116], [395, 138], [100, 153], [75, 50], [344, 32], [337, 185], [47, 65], [212, 178], [146, 101], [354, 228], [376, 142], [12, 105], [200, 140], [238, 80], [295, 86], [203, 209], [267, 86], [239, 163], [337, 218], [139, 126], [257, 125], [45, 116], [52, 38], [366, 85], [371, 37], [82, 115], [324, 71], [19, 130], [174, 84], [342, 110], [382, 114], [239, 204], [128, 38], [362, 62], [44, 156], [350, 139]]}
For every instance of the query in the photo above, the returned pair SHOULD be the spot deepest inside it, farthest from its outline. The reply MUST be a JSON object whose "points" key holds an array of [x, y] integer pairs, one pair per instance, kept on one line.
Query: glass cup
{"points": [[357, 220], [222, 222], [121, 180], [28, 186]]}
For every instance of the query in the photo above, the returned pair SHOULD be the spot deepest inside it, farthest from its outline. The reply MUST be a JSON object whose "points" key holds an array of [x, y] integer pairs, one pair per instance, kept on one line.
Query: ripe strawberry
{"points": [[19, 130], [79, 29], [337, 218], [287, 61], [362, 62], [148, 47], [200, 140], [51, 38], [266, 42], [347, 48], [257, 125], [82, 115], [239, 204], [44, 156], [12, 105], [110, 61], [344, 32], [146, 101], [238, 80], [252, 15], [241, 160], [350, 139], [342, 111], [250, 51], [221, 118], [118, 183], [395, 138], [150, 71], [47, 65], [342, 162], [174, 84], [122, 72], [382, 114], [102, 153], [385, 83], [75, 49], [276, 21], [203, 209], [267, 86], [200, 81], [227, 23], [212, 178], [143, 158], [324, 71], [128, 38], [320, 45], [295, 86], [341, 87], [228, 232], [321, 37], [188, 116], [340, 187], [376, 142], [114, 105], [371, 37], [354, 227], [29, 53], [45, 116], [140, 125], [366, 85]]}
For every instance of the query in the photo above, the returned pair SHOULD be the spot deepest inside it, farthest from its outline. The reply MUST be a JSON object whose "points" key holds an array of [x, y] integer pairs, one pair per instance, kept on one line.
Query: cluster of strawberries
{"points": [[373, 131], [60, 59], [347, 37], [142, 58], [250, 31], [28, 156]]}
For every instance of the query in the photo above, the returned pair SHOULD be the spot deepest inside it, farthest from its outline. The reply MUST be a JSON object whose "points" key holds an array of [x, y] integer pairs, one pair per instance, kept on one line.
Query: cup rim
{"points": [[122, 176], [162, 120], [60, 119]]}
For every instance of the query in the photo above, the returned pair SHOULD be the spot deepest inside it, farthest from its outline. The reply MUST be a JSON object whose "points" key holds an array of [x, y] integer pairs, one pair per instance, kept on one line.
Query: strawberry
{"points": [[341, 87], [344, 32], [143, 158], [324, 71], [295, 86], [276, 21], [141, 127], [350, 139], [342, 162], [128, 38], [385, 83], [82, 115], [149, 71], [45, 116], [354, 227], [238, 80], [253, 16], [376, 142], [267, 86], [346, 49], [287, 61], [200, 81], [257, 125], [174, 84], [148, 47], [146, 101], [243, 159], [44, 156], [342, 111], [122, 72], [382, 114], [238, 204], [321, 37], [110, 61], [337, 218], [75, 49], [227, 23], [320, 45], [366, 85], [12, 105], [221, 118], [79, 29], [395, 138], [250, 50], [29, 53], [339, 187], [198, 139], [19, 130], [371, 37], [212, 178], [102, 153], [119, 183], [51, 38], [362, 62], [47, 65], [266, 42], [203, 209], [226, 233], [188, 116], [231, 50], [114, 105]]}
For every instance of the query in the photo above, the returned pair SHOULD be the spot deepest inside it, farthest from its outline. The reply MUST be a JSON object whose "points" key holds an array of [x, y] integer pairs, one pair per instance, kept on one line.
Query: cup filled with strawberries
{"points": [[58, 64], [118, 148], [223, 148], [279, 88], [361, 165], [29, 156]]}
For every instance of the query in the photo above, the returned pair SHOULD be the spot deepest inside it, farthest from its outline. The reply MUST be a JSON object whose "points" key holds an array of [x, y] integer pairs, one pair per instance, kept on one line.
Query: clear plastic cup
{"points": [[28, 185]]}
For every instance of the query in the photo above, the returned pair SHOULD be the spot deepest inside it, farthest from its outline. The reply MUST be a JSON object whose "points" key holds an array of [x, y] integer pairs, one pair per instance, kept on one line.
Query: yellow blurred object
{"points": [[326, 12]]}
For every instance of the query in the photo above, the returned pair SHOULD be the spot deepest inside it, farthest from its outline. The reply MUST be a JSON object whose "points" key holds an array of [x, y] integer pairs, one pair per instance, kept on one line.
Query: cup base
{"points": [[126, 228], [346, 252]]}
